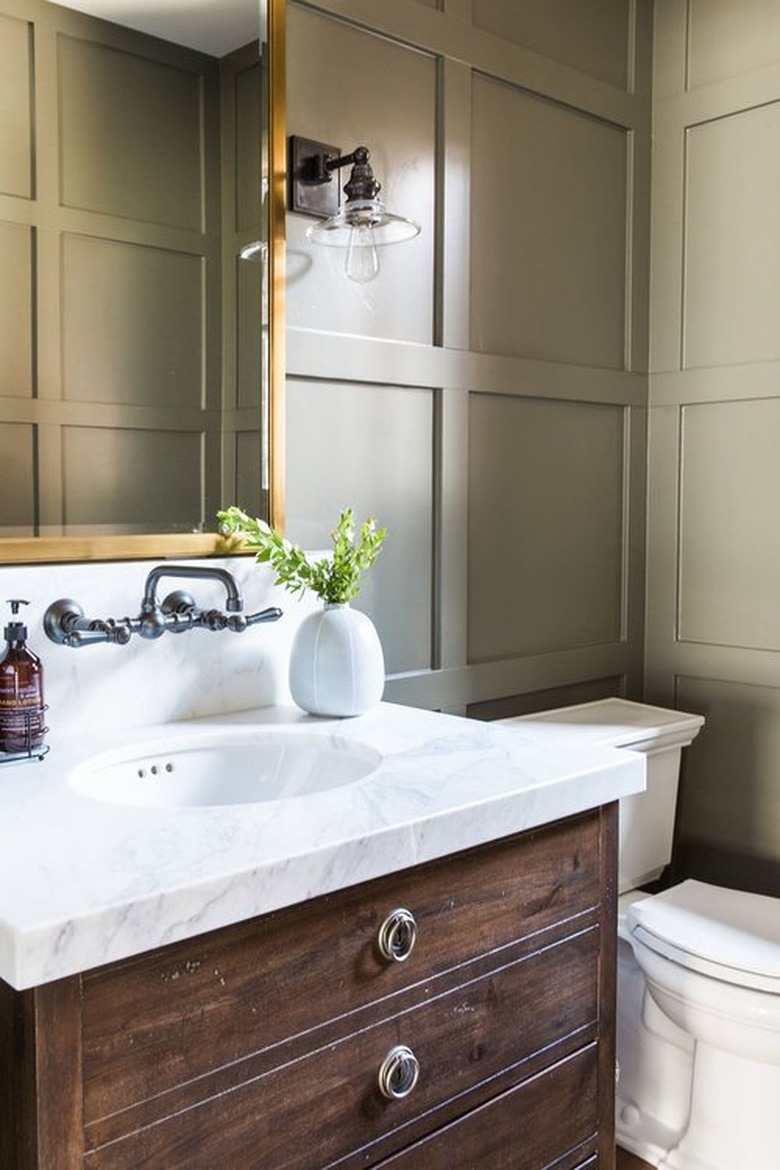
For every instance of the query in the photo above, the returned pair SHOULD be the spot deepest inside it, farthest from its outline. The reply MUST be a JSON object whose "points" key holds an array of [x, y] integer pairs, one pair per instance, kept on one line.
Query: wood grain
{"points": [[261, 1043]]}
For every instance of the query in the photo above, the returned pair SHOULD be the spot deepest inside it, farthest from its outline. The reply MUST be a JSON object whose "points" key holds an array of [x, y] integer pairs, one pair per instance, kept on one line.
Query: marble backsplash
{"points": [[177, 676]]}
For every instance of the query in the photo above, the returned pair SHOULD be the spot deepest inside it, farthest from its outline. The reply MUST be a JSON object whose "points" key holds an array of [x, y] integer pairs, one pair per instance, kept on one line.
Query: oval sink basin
{"points": [[215, 768]]}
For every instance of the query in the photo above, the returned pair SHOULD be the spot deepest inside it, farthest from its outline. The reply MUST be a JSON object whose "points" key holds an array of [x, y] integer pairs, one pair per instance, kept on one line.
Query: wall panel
{"points": [[245, 357], [732, 233], [16, 115], [17, 501], [729, 798], [548, 239], [727, 38], [546, 482], [594, 37], [370, 447], [150, 480], [729, 538], [117, 155], [247, 104], [132, 324], [16, 310]]}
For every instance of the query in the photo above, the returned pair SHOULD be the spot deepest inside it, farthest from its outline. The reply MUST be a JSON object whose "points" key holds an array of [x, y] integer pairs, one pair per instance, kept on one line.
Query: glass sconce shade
{"points": [[362, 226], [257, 251]]}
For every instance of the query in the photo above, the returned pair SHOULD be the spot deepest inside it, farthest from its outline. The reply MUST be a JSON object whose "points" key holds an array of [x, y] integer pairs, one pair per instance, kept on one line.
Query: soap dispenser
{"points": [[21, 691]]}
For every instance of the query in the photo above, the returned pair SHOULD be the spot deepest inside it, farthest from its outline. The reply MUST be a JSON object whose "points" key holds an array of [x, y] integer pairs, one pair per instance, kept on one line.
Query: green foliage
{"points": [[336, 579]]}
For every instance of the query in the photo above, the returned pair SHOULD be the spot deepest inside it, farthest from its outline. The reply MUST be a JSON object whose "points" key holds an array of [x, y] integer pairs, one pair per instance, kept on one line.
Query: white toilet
{"points": [[698, 1033]]}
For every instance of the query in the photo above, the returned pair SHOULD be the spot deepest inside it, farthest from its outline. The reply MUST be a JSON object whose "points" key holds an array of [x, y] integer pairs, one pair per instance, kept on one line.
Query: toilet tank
{"points": [[646, 819]]}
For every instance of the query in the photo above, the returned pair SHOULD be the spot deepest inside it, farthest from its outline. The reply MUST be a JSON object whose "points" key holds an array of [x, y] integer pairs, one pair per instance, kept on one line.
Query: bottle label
{"points": [[21, 715]]}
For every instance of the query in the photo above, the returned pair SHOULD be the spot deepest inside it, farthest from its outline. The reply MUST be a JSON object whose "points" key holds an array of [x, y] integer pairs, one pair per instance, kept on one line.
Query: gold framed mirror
{"points": [[134, 155]]}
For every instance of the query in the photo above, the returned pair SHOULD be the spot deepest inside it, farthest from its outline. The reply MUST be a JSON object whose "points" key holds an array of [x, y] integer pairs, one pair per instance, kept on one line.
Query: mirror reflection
{"points": [[133, 340]]}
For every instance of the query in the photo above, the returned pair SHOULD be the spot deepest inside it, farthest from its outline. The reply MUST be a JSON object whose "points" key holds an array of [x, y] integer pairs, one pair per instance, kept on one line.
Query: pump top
{"points": [[16, 631]]}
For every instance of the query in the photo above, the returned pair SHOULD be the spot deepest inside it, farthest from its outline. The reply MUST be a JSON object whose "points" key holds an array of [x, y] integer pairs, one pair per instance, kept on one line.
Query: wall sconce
{"points": [[362, 225], [257, 250]]}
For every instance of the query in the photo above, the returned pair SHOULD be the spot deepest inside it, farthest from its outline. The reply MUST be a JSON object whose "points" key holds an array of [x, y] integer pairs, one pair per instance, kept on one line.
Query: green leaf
{"points": [[335, 579]]}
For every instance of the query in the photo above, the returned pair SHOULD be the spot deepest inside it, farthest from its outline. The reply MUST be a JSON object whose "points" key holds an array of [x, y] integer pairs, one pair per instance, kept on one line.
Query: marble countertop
{"points": [[85, 881]]}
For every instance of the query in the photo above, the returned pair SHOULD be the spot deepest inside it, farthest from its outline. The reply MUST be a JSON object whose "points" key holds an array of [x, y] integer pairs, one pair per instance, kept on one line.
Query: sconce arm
{"points": [[361, 155]]}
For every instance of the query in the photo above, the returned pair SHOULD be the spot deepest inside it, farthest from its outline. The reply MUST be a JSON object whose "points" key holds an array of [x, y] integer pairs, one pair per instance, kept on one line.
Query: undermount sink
{"points": [[216, 768]]}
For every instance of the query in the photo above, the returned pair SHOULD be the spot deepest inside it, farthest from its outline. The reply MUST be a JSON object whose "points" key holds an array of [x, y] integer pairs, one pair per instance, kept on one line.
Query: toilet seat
{"points": [[729, 935]]}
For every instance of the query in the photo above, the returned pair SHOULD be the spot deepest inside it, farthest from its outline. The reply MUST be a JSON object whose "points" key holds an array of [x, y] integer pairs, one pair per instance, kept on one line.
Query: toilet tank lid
{"points": [[729, 934], [617, 723]]}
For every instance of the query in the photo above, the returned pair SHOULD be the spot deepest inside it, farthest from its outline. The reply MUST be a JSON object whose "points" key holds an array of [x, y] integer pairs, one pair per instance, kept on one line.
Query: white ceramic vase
{"points": [[336, 663]]}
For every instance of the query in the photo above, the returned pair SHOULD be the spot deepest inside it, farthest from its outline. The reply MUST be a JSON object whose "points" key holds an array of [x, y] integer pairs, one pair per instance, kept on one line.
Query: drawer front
{"points": [[469, 1043], [163, 1020], [548, 1121]]}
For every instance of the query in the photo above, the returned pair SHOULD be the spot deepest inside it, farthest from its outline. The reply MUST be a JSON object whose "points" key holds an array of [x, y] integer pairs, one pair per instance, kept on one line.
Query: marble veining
{"points": [[84, 881], [179, 676]]}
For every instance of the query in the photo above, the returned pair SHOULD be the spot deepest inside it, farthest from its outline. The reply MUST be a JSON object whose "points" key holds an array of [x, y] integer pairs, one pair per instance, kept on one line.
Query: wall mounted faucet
{"points": [[66, 624]]}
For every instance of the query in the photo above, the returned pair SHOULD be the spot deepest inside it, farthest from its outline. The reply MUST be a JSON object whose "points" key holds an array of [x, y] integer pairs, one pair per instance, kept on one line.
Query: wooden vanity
{"points": [[289, 1042]]}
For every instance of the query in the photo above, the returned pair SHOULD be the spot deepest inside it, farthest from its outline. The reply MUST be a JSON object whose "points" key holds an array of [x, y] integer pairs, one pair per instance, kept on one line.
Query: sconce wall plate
{"points": [[312, 190]]}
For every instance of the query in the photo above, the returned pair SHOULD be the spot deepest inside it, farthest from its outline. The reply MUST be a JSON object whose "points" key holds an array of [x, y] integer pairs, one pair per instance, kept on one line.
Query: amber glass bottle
{"points": [[21, 691]]}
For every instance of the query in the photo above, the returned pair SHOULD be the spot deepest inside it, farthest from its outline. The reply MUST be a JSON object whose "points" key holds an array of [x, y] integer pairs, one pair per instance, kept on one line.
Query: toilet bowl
{"points": [[711, 962], [698, 1012]]}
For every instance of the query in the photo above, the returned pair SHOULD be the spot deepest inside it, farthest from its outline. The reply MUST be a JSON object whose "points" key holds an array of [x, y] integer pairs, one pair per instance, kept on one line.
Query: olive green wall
{"points": [[129, 331], [486, 395], [713, 635]]}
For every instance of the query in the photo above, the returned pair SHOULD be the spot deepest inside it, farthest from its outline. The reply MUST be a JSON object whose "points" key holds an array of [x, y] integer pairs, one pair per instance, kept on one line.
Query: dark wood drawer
{"points": [[513, 1131], [471, 1042], [178, 1014]]}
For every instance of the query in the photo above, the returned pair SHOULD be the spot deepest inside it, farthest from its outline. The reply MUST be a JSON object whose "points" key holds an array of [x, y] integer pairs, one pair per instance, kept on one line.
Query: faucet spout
{"points": [[233, 603]]}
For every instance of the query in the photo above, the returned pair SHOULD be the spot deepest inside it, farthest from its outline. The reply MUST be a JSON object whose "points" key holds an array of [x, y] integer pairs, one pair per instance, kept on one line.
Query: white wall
{"points": [[178, 676]]}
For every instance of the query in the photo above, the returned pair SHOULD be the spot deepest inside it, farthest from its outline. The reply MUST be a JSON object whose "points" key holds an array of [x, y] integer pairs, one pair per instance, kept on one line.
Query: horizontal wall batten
{"points": [[394, 363], [97, 225], [17, 209], [56, 412], [715, 384], [492, 680], [704, 660], [731, 95], [457, 39]]}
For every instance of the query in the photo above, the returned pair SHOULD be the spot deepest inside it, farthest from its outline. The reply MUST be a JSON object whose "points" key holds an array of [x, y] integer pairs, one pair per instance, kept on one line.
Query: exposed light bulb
{"points": [[362, 262]]}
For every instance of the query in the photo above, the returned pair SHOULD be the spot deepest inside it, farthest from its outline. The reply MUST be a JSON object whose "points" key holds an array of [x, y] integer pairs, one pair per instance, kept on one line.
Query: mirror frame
{"points": [[39, 550]]}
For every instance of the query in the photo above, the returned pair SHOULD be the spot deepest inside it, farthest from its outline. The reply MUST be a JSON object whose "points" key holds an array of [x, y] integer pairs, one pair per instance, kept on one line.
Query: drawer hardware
{"points": [[398, 1073], [397, 936]]}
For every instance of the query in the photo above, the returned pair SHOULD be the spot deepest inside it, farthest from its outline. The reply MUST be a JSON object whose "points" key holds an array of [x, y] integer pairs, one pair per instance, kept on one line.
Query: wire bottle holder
{"points": [[28, 733]]}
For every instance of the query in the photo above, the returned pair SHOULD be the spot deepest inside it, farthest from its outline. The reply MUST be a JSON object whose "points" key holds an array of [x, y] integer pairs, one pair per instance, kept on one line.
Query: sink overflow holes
{"points": [[154, 770]]}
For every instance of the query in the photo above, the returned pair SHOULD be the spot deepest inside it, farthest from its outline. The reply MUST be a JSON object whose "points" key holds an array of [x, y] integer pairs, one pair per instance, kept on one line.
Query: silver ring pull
{"points": [[397, 936], [398, 1073]]}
